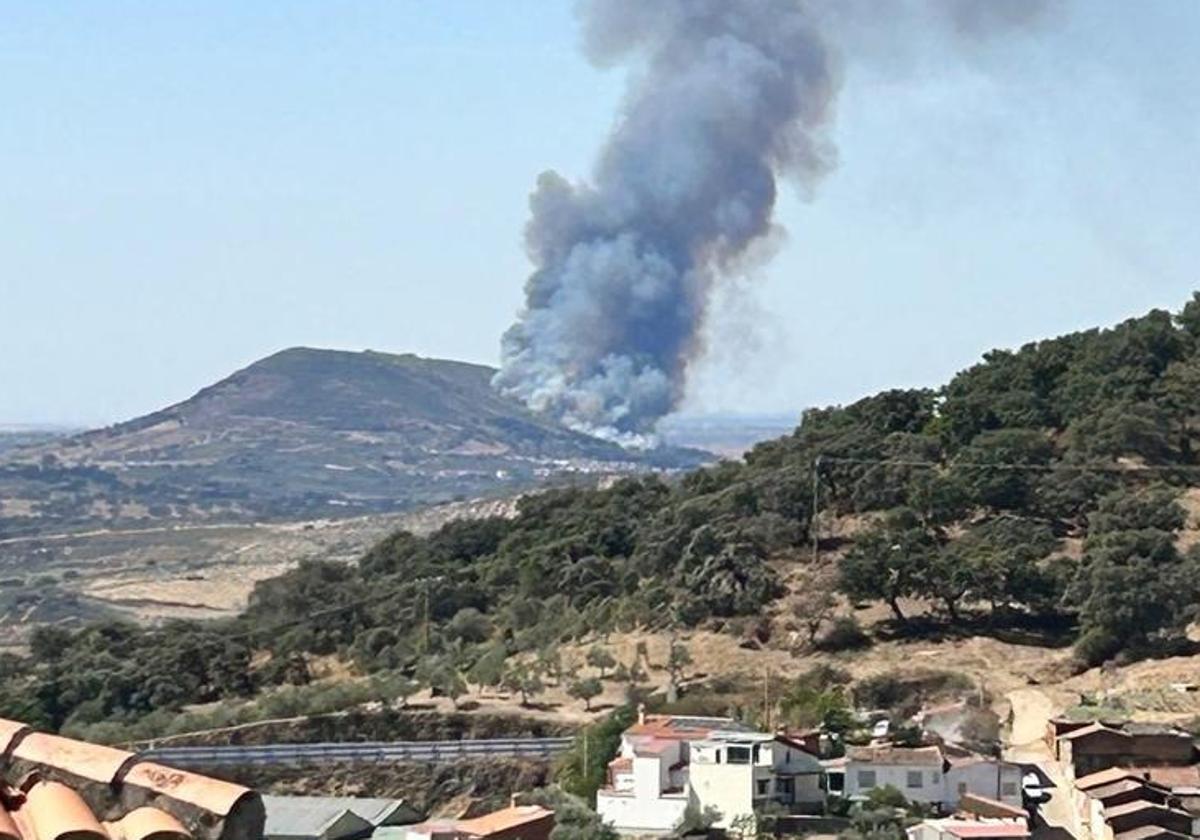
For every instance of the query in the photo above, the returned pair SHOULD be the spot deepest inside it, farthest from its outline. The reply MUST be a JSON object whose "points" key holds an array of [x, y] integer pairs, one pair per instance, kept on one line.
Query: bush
{"points": [[1096, 647], [844, 633]]}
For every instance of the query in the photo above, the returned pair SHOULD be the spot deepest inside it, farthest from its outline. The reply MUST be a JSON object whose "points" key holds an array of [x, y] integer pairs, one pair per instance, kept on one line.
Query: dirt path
{"points": [[1031, 709]]}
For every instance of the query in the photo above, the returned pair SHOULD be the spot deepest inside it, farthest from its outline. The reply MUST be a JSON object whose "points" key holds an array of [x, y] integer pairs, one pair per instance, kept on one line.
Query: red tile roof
{"points": [[1186, 776], [62, 787], [680, 727], [985, 806], [978, 829], [930, 756], [1104, 777], [505, 819]]}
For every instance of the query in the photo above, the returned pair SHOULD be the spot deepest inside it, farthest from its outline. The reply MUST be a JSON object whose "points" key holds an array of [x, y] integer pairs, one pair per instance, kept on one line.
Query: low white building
{"points": [[969, 829], [923, 774], [718, 768]]}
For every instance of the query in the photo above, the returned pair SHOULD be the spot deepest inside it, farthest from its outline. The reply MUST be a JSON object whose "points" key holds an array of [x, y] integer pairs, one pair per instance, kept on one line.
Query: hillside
{"points": [[1044, 498], [302, 434]]}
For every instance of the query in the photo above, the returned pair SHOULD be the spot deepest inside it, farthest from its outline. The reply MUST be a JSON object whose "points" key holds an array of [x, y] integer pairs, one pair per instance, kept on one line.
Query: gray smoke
{"points": [[727, 97]]}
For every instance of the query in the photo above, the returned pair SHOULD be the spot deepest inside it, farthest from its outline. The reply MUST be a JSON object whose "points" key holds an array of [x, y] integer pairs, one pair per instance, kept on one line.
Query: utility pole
{"points": [[427, 639], [767, 696], [816, 502]]}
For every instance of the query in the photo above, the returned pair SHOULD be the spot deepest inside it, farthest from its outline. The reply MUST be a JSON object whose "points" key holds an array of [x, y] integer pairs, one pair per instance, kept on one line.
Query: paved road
{"points": [[377, 752]]}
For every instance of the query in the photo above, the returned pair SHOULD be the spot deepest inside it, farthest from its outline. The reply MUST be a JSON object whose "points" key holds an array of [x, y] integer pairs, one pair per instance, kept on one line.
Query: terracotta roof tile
{"points": [[931, 756], [89, 761], [1104, 777], [72, 790], [8, 826], [969, 829], [1185, 776], [56, 812], [682, 727], [504, 819], [147, 824], [9, 731], [210, 794]]}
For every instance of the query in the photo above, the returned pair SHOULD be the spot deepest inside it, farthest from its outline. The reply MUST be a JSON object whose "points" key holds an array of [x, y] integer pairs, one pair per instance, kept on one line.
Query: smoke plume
{"points": [[727, 97]]}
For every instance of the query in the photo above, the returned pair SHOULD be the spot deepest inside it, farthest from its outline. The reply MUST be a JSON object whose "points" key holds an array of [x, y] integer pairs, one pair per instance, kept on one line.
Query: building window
{"points": [[1008, 789], [836, 782], [738, 755], [786, 788], [914, 779], [762, 787], [962, 788], [866, 778]]}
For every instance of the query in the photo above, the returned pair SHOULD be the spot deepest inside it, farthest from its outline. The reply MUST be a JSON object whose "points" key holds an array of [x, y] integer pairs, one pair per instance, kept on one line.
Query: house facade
{"points": [[923, 774], [1097, 746], [717, 768]]}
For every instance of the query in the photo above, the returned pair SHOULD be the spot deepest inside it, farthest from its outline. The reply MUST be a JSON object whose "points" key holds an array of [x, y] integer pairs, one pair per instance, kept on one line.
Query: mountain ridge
{"points": [[307, 432]]}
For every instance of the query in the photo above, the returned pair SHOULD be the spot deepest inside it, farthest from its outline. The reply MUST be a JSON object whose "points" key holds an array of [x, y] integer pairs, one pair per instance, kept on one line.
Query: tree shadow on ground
{"points": [[1009, 626]]}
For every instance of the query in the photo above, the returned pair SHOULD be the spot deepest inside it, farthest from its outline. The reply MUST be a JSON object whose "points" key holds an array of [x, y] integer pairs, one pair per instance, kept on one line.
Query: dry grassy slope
{"points": [[1038, 679]]}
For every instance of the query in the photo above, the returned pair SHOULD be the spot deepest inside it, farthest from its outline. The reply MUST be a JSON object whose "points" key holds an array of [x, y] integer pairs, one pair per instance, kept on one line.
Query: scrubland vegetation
{"points": [[1039, 489]]}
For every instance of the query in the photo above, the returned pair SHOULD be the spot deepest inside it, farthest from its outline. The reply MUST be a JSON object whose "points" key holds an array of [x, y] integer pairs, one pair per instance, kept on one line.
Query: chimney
{"points": [[512, 800], [641, 713]]}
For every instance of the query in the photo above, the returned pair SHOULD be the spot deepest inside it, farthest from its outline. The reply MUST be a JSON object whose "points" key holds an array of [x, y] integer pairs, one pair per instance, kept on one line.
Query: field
{"points": [[197, 571]]}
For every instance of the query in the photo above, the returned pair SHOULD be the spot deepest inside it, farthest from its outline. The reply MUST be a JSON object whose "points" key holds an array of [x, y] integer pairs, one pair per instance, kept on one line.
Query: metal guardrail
{"points": [[375, 752]]}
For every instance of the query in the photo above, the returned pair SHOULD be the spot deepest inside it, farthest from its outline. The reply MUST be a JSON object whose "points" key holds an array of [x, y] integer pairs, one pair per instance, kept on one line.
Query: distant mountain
{"points": [[306, 433]]}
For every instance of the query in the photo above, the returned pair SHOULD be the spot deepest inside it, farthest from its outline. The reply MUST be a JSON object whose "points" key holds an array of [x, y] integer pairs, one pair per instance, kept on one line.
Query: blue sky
{"points": [[188, 186]]}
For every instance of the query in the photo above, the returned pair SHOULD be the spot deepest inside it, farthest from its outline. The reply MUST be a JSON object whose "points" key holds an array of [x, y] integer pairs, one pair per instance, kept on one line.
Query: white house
{"points": [[923, 774], [718, 767]]}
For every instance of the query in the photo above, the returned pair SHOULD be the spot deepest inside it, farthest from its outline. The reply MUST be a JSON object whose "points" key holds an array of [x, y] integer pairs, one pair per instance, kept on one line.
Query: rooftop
{"points": [[1173, 777], [1090, 730], [1135, 807], [58, 787], [311, 815], [889, 754], [982, 828], [1104, 777], [684, 728], [1149, 832], [985, 806], [1125, 785], [505, 819]]}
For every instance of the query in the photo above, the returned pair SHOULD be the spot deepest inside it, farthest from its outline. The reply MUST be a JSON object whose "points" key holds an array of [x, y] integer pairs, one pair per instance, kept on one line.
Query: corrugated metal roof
{"points": [[312, 816]]}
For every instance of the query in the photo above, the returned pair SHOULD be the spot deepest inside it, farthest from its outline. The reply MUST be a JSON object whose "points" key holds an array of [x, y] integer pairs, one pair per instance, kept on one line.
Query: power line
{"points": [[352, 605], [1016, 466]]}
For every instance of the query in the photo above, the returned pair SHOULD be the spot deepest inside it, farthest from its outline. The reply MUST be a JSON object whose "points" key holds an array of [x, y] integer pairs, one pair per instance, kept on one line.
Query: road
{"points": [[1032, 708], [376, 752]]}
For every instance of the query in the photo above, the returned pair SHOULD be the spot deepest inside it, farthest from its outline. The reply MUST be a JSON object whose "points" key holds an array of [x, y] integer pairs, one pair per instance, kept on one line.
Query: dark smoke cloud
{"points": [[727, 97]]}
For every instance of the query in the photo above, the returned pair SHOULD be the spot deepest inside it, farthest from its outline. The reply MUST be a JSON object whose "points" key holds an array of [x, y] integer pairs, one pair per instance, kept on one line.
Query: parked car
{"points": [[1034, 790]]}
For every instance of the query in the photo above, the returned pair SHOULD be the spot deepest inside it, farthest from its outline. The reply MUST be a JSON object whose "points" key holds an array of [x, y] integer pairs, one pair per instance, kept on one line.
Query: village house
{"points": [[929, 775], [1122, 804], [977, 818], [1091, 747], [718, 769]]}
